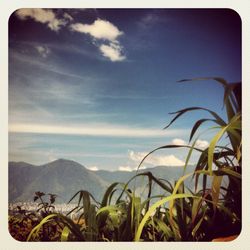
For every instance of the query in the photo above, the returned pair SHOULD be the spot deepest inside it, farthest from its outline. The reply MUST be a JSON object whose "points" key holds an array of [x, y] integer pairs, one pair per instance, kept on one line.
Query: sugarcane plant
{"points": [[213, 211], [176, 213]]}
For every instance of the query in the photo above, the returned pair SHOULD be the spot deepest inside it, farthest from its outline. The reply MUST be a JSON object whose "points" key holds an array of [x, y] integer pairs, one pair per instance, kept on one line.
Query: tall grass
{"points": [[176, 213]]}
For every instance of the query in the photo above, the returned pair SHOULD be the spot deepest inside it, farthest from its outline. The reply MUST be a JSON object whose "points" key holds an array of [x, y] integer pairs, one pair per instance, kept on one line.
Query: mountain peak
{"points": [[63, 162]]}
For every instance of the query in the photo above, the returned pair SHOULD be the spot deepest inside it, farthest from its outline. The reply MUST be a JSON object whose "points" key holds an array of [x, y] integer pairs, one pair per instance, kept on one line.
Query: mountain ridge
{"points": [[66, 177]]}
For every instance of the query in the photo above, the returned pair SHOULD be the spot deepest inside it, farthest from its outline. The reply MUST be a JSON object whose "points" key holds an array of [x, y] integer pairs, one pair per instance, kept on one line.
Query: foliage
{"points": [[176, 213], [21, 223], [44, 207]]}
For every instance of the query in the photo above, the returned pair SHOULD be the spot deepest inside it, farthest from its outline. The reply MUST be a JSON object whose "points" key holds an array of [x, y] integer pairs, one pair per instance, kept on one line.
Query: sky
{"points": [[97, 85]]}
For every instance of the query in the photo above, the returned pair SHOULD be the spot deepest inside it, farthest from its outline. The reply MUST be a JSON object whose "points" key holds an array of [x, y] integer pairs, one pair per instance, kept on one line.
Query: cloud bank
{"points": [[156, 160], [92, 130]]}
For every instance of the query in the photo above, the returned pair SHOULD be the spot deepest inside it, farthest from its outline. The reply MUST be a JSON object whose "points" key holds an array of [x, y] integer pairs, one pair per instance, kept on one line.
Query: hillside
{"points": [[65, 178], [62, 177]]}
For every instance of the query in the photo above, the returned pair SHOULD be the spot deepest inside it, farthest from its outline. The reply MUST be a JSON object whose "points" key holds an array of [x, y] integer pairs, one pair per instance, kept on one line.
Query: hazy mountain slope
{"points": [[164, 172], [20, 175], [62, 177], [171, 174], [65, 178]]}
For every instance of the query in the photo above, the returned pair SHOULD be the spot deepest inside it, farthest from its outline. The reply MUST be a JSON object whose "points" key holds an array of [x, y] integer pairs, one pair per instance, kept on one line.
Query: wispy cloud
{"points": [[44, 51], [44, 16], [48, 66], [151, 19], [91, 130], [39, 94]]}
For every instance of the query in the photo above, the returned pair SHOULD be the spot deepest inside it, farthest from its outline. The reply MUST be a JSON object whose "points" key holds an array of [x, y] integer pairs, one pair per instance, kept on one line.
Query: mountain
{"points": [[21, 174], [61, 177], [164, 172], [65, 178], [171, 174]]}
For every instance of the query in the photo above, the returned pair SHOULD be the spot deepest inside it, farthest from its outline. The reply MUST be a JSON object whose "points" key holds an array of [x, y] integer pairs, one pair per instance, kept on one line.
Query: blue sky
{"points": [[97, 85]]}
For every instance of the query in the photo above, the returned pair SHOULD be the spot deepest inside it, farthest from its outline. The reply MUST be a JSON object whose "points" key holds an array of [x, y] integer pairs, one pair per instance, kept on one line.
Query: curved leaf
{"points": [[197, 125], [107, 193], [153, 208]]}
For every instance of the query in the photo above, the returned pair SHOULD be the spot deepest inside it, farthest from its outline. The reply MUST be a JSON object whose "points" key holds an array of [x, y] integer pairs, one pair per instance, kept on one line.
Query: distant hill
{"points": [[65, 178], [62, 177]]}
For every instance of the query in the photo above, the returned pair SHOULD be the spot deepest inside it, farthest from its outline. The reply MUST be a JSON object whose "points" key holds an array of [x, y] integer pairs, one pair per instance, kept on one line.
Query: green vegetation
{"points": [[177, 213]]}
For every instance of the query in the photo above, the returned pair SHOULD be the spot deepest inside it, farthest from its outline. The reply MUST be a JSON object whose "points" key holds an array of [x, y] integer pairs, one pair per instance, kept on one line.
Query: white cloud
{"points": [[43, 50], [68, 17], [113, 51], [178, 141], [91, 129], [130, 168], [93, 168], [156, 160], [100, 29], [42, 16], [125, 168], [202, 144], [103, 30]]}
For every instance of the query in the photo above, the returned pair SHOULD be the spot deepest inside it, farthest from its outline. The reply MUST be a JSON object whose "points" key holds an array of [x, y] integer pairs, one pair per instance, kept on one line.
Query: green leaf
{"points": [[216, 184], [197, 125], [108, 209], [65, 234], [218, 79], [211, 148], [218, 119], [234, 123], [230, 172], [188, 156], [108, 193], [136, 211], [36, 229], [164, 228], [166, 147], [153, 208], [195, 208]]}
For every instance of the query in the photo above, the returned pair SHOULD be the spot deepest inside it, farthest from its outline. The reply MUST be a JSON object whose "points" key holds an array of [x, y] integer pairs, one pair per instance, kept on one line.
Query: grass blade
{"points": [[216, 184], [153, 208]]}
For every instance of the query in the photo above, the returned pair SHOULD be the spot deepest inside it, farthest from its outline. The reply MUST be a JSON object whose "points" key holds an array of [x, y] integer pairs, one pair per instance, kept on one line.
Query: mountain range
{"points": [[66, 177]]}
